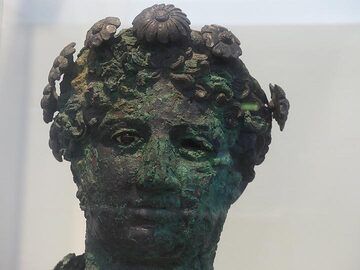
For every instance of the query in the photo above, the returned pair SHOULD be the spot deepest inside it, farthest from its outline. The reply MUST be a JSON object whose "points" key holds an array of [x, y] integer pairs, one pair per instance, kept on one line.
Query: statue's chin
{"points": [[150, 235], [154, 235], [148, 242]]}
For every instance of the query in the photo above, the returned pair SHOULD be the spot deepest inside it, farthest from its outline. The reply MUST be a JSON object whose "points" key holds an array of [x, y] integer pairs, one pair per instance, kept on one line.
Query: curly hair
{"points": [[203, 65]]}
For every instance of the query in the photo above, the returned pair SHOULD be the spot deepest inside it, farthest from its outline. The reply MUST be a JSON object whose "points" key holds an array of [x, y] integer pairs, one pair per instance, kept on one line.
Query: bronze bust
{"points": [[163, 126]]}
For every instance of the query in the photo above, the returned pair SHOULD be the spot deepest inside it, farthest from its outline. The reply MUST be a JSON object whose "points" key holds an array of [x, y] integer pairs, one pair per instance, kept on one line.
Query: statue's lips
{"points": [[161, 213], [156, 215], [171, 201], [145, 213]]}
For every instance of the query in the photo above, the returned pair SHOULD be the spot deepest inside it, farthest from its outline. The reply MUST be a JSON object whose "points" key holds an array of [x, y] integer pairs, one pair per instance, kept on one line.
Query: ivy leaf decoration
{"points": [[279, 105]]}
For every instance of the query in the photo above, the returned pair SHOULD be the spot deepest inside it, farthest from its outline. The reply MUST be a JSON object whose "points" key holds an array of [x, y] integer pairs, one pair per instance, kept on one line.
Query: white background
{"points": [[302, 210]]}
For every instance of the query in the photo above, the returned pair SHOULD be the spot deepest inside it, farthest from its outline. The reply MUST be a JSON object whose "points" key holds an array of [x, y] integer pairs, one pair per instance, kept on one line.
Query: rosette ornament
{"points": [[101, 31], [222, 42], [162, 23]]}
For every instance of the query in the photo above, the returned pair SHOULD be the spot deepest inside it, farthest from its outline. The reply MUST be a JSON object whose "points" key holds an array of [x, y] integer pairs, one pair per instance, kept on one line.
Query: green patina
{"points": [[140, 138]]}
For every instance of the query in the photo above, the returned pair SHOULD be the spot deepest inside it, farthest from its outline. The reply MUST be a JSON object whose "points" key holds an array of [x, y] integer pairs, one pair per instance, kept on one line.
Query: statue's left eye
{"points": [[196, 145], [126, 137], [195, 148]]}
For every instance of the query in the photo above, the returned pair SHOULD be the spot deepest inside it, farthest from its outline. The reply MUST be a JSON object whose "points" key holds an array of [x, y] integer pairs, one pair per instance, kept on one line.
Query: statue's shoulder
{"points": [[71, 262]]}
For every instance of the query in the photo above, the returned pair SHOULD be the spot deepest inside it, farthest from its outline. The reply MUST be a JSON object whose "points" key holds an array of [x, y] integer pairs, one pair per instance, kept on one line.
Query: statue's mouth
{"points": [[157, 214], [146, 211], [144, 216]]}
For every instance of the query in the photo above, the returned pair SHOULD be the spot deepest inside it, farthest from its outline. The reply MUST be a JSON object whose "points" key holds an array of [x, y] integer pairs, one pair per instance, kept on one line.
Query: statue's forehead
{"points": [[164, 106]]}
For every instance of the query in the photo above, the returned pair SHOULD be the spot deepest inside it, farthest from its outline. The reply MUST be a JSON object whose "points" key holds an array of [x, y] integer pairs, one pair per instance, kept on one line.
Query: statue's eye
{"points": [[196, 144], [196, 148], [126, 137], [193, 143]]}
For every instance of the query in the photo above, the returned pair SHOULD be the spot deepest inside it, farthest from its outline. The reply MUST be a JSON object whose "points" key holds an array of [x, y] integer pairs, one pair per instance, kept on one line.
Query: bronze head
{"points": [[163, 126]]}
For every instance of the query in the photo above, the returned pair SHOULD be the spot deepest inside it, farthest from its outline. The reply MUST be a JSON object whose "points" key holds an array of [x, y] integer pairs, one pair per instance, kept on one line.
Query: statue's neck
{"points": [[98, 258]]}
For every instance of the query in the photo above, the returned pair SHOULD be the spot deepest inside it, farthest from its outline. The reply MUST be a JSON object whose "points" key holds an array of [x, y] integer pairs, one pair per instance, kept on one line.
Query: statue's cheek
{"points": [[84, 169], [114, 169], [220, 184], [226, 187]]}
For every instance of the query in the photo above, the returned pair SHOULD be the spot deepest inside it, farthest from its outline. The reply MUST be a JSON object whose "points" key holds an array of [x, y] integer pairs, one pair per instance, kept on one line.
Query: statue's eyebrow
{"points": [[113, 121], [191, 127], [113, 124], [199, 127], [120, 122], [204, 130]]}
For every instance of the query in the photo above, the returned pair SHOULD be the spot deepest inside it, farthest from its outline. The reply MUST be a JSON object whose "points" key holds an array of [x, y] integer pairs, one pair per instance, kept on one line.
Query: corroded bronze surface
{"points": [[163, 126]]}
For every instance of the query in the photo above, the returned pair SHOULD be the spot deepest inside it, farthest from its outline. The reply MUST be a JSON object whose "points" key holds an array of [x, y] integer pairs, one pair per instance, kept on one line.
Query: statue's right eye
{"points": [[126, 137]]}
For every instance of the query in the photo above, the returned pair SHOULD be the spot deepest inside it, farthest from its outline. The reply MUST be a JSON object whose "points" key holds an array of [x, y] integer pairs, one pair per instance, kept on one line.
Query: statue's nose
{"points": [[157, 171]]}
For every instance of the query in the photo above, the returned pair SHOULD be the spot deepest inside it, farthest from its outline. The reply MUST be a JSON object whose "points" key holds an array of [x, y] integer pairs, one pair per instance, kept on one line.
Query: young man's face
{"points": [[157, 178]]}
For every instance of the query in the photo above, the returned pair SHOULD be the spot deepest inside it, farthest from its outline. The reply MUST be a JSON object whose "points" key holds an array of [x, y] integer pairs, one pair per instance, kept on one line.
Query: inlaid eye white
{"points": [[126, 137]]}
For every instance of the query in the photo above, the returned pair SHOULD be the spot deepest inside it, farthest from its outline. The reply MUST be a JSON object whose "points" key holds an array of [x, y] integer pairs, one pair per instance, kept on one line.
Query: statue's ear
{"points": [[65, 133], [101, 31], [250, 150]]}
